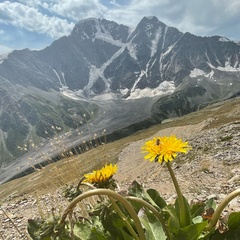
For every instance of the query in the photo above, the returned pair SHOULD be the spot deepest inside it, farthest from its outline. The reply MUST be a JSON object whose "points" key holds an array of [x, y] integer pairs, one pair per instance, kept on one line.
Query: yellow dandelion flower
{"points": [[164, 148], [101, 177]]}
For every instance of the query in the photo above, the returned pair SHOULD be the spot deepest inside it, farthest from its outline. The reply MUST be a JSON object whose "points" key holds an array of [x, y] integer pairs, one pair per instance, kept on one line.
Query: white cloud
{"points": [[4, 49], [31, 19], [79, 9], [214, 17], [56, 18]]}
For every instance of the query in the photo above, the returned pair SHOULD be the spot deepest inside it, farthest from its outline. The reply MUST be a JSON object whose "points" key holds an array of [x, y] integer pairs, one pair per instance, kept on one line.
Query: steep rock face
{"points": [[102, 57], [205, 53], [194, 94], [25, 68]]}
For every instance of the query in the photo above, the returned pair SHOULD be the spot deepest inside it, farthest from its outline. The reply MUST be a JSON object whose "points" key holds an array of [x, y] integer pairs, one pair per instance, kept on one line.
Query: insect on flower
{"points": [[157, 143], [164, 149]]}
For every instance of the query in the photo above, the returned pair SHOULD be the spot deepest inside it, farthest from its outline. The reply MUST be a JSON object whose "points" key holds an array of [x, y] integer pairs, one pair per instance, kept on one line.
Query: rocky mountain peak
{"points": [[102, 59], [100, 28], [150, 23], [147, 29]]}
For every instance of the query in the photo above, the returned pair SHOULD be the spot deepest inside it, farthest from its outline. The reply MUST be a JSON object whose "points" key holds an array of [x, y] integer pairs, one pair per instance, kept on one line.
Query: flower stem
{"points": [[14, 225], [220, 208], [80, 182], [112, 194], [124, 218], [155, 211], [182, 218]]}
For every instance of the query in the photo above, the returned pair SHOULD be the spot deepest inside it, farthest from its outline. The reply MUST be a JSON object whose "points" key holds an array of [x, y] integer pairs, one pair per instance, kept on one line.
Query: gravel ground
{"points": [[211, 169]]}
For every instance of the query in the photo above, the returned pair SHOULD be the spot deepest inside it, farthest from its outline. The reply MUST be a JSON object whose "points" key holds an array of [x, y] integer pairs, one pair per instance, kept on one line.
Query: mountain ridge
{"points": [[102, 60]]}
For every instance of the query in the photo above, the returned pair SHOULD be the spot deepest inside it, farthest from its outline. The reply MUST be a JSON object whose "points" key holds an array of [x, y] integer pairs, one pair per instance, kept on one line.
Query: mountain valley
{"points": [[107, 80]]}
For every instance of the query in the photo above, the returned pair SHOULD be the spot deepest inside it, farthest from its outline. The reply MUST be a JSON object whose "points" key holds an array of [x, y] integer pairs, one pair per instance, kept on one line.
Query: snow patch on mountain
{"points": [[227, 67], [104, 35], [4, 56], [106, 96], [164, 36], [155, 41], [63, 77], [132, 50], [115, 55], [166, 87], [70, 94], [163, 55], [94, 74], [209, 75], [139, 78], [224, 39], [197, 72], [59, 79]]}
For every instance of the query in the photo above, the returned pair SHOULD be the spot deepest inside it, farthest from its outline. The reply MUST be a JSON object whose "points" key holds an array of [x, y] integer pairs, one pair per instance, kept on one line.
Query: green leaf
{"points": [[33, 228], [136, 190], [186, 212], [115, 226], [39, 230], [234, 221], [210, 203], [155, 196], [82, 230], [229, 235], [191, 232], [153, 228], [197, 209], [197, 219], [89, 231], [151, 196], [125, 236], [173, 221]]}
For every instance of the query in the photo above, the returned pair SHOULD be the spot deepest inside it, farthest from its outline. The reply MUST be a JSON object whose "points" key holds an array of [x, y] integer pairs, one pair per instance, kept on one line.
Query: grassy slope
{"points": [[71, 169]]}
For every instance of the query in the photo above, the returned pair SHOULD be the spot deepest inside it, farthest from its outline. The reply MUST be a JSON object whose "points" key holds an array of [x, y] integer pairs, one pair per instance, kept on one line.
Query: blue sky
{"points": [[35, 24]]}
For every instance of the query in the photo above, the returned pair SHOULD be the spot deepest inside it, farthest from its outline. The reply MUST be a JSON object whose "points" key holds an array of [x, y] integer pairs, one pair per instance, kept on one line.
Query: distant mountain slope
{"points": [[102, 59]]}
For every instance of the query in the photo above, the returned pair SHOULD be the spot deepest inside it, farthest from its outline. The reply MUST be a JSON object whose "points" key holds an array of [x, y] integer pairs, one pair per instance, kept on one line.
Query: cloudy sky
{"points": [[35, 24]]}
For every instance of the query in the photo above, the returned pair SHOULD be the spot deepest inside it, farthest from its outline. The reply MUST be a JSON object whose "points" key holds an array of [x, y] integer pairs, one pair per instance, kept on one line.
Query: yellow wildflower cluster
{"points": [[102, 176], [164, 148]]}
